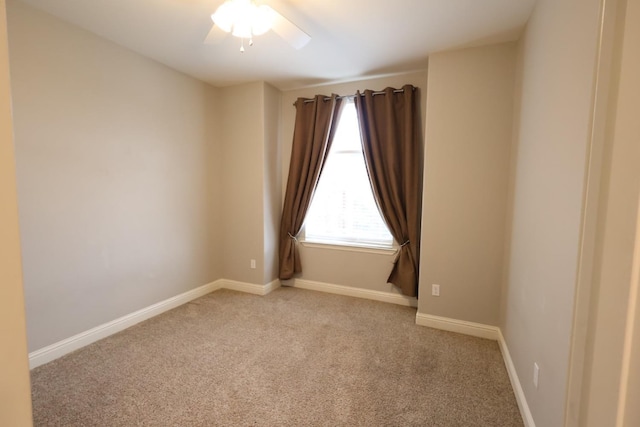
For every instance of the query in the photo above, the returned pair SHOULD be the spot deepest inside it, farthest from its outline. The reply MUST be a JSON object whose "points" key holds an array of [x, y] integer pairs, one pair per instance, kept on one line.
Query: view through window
{"points": [[343, 210]]}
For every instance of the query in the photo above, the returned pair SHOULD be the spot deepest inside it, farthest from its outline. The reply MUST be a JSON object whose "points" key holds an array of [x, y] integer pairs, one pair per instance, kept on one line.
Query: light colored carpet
{"points": [[293, 357]]}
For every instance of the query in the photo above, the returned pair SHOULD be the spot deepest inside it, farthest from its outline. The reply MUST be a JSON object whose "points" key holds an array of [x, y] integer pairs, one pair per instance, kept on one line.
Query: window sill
{"points": [[350, 247]]}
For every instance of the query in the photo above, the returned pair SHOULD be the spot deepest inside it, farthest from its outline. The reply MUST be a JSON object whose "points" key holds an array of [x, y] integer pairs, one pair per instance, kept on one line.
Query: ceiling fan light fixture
{"points": [[242, 29], [243, 18], [224, 17], [263, 19], [248, 18]]}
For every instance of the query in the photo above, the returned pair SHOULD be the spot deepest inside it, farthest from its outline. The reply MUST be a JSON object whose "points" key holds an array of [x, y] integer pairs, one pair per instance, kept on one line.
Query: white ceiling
{"points": [[350, 38]]}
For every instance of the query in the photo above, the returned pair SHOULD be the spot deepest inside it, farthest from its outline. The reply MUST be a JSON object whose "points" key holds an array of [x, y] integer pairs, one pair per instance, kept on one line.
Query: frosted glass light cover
{"points": [[224, 16], [243, 18], [263, 17]]}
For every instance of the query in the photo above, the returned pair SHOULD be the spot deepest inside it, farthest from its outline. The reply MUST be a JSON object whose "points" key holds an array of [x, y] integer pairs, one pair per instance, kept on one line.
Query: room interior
{"points": [[139, 185]]}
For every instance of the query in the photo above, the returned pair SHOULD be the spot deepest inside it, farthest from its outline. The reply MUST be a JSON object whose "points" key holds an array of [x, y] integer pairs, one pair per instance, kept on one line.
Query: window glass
{"points": [[343, 210]]}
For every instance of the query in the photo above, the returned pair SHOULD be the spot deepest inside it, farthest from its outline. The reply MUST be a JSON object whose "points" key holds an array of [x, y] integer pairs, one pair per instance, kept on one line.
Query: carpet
{"points": [[291, 358]]}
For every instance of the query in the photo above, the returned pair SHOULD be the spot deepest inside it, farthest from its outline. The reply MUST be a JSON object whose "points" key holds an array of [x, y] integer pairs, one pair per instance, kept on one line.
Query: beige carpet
{"points": [[291, 358]]}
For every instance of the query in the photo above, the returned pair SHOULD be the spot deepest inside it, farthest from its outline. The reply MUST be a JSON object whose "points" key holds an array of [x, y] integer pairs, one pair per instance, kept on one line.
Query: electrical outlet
{"points": [[253, 263], [536, 374], [435, 290]]}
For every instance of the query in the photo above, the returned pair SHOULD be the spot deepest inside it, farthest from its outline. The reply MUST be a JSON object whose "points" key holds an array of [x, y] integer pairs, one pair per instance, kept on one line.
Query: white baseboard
{"points": [[489, 332], [459, 326], [250, 288], [66, 346], [355, 292], [527, 417], [272, 286], [59, 349]]}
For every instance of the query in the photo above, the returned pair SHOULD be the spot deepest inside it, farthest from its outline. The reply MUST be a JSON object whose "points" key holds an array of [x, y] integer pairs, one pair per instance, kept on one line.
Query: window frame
{"points": [[345, 244]]}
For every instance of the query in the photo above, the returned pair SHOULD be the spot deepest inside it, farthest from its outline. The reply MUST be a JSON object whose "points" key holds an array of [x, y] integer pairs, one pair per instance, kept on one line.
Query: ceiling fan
{"points": [[246, 18]]}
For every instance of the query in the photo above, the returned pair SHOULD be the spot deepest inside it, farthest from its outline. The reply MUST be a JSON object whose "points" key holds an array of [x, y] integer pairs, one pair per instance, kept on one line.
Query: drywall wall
{"points": [[612, 364], [551, 137], [629, 410], [467, 149], [118, 177], [15, 391], [252, 191], [358, 269], [272, 181], [243, 199]]}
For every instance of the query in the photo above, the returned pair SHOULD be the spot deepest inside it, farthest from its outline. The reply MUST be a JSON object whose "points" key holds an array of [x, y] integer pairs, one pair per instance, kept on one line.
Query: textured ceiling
{"points": [[350, 38]]}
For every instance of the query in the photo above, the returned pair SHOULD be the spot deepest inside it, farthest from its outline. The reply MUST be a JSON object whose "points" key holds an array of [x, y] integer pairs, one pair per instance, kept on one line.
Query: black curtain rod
{"points": [[353, 96]]}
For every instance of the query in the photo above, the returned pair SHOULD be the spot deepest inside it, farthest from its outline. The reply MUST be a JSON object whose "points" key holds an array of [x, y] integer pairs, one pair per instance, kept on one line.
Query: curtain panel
{"points": [[392, 145], [315, 126]]}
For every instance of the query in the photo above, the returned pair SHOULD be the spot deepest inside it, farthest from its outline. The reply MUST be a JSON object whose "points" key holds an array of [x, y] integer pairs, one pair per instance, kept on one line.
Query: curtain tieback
{"points": [[293, 237], [404, 244]]}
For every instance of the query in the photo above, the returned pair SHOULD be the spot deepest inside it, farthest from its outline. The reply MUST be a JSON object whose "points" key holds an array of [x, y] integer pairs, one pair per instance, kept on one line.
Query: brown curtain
{"points": [[390, 128], [315, 126]]}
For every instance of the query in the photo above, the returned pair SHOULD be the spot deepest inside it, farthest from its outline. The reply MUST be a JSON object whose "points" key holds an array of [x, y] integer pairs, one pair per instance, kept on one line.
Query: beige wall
{"points": [[243, 140], [557, 62], [358, 269], [15, 392], [629, 410], [118, 171], [612, 374], [251, 195], [468, 141], [272, 181]]}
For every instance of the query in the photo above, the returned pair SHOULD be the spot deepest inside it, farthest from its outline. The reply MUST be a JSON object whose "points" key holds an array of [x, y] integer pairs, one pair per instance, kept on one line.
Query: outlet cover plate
{"points": [[435, 290]]}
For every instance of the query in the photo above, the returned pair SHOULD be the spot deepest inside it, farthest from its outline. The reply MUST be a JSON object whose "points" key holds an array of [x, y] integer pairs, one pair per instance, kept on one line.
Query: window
{"points": [[343, 210]]}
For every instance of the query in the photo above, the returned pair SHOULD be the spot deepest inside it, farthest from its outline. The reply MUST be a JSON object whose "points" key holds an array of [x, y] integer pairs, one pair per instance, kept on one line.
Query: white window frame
{"points": [[346, 244]]}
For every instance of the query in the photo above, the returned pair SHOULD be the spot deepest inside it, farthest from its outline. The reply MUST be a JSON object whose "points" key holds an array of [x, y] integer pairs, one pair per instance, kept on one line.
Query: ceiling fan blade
{"points": [[215, 36], [289, 31]]}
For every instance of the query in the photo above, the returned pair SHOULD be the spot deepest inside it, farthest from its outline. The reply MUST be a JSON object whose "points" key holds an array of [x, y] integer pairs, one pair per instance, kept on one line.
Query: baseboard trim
{"points": [[272, 286], [490, 332], [60, 348], [355, 292], [525, 411], [460, 326], [66, 346], [250, 288]]}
